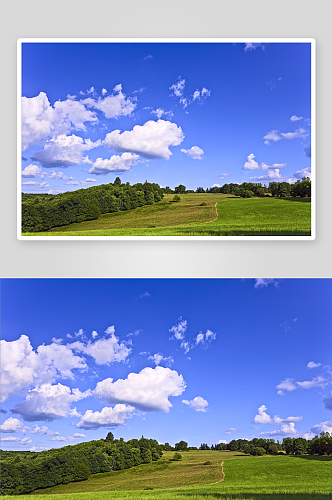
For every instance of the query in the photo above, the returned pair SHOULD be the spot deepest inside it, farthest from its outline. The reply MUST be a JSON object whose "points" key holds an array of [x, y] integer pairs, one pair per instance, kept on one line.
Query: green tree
{"points": [[117, 182], [181, 446], [110, 437], [181, 189]]}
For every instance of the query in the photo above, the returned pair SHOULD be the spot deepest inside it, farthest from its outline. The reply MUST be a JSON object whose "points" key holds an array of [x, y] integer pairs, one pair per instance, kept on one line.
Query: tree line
{"points": [[301, 188], [24, 472], [41, 212], [321, 445]]}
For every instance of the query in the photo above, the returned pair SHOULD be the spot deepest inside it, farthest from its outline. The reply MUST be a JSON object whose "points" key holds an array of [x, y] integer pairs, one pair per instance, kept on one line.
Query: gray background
{"points": [[160, 18]]}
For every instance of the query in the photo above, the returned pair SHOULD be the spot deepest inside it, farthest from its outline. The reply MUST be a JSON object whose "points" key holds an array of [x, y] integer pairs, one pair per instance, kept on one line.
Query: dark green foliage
{"points": [[181, 446], [208, 462], [23, 472], [177, 456], [181, 189], [41, 212], [176, 198], [301, 188]]}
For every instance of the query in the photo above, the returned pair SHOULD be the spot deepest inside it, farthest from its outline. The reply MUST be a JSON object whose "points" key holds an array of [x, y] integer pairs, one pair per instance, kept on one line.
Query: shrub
{"points": [[176, 198], [177, 456], [207, 462], [203, 204]]}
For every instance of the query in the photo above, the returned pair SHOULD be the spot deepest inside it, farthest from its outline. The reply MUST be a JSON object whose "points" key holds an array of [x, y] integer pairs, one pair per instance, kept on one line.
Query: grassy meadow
{"points": [[243, 477], [200, 214]]}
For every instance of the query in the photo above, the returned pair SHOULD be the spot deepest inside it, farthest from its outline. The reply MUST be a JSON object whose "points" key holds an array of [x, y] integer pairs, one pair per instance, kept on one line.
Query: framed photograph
{"points": [[166, 139]]}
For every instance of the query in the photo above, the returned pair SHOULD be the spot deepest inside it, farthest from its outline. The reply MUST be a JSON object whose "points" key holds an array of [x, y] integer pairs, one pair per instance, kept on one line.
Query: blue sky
{"points": [[200, 360], [198, 114]]}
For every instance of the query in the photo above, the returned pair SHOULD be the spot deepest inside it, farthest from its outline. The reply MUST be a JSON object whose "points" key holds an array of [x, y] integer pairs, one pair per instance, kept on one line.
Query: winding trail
{"points": [[222, 474], [208, 222]]}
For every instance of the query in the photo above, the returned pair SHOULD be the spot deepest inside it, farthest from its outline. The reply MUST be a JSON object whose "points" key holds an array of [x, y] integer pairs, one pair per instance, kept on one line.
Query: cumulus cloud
{"points": [[178, 90], [290, 385], [69, 439], [275, 135], [197, 404], [253, 46], [49, 402], [158, 358], [286, 423], [204, 339], [14, 439], [295, 118], [305, 172], [107, 417], [222, 441], [312, 364], [64, 151], [151, 140], [116, 164], [224, 176], [285, 430], [106, 350], [59, 176], [40, 120], [14, 425], [32, 171], [194, 152], [147, 390], [36, 184], [322, 427], [231, 430], [44, 430], [114, 105], [251, 164], [21, 366], [179, 331], [264, 282]]}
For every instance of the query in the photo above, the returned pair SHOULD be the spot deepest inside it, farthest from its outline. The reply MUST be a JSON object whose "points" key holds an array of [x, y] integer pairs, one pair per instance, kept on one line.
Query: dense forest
{"points": [[23, 472], [41, 212]]}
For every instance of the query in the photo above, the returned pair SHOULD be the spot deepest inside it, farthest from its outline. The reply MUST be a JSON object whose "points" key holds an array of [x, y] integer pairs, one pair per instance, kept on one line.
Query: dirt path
{"points": [[222, 474], [215, 206]]}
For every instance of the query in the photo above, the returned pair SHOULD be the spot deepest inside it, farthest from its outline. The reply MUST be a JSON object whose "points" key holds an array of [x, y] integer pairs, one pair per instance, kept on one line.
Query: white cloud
{"points": [[40, 120], [31, 171], [295, 118], [116, 164], [145, 295], [49, 402], [231, 430], [114, 105], [322, 427], [285, 430], [21, 366], [13, 425], [195, 152], [59, 175], [44, 430], [107, 417], [158, 358], [205, 339], [147, 390], [104, 91], [305, 172], [312, 364], [178, 87], [222, 441], [275, 135], [69, 439], [224, 176], [17, 440], [104, 351], [286, 385], [287, 424], [315, 382], [251, 164], [197, 404], [264, 282], [94, 334], [38, 448], [179, 330], [64, 151], [151, 140], [161, 112], [253, 46]]}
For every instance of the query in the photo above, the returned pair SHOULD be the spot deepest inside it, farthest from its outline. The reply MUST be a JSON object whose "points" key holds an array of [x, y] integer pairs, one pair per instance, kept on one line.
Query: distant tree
{"points": [[109, 437], [177, 456], [176, 198], [117, 182], [200, 190], [181, 189], [181, 446]]}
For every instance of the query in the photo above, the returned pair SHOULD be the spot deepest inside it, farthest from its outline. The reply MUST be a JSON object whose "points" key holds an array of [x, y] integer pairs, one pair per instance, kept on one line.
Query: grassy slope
{"points": [[270, 478], [236, 217]]}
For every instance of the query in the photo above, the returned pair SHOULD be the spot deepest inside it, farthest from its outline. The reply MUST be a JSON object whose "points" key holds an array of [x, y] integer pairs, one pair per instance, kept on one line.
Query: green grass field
{"points": [[223, 215], [247, 478]]}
